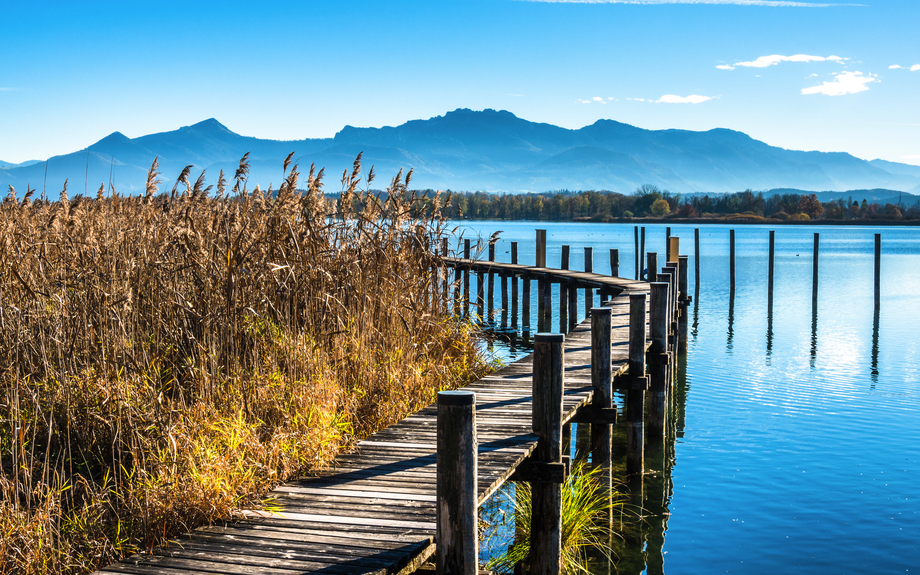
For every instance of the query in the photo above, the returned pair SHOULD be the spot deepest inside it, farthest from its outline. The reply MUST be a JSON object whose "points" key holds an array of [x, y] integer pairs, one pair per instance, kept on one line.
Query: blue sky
{"points": [[801, 75]]}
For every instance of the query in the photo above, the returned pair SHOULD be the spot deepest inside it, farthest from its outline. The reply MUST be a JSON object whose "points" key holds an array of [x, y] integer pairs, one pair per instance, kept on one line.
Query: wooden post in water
{"points": [[641, 250], [771, 259], [878, 270], [548, 303], [589, 268], [658, 358], [564, 293], [480, 294], [457, 475], [546, 498], [541, 249], [504, 282], [573, 305], [652, 267], [615, 263], [541, 302], [683, 286], [466, 278], [491, 289], [731, 259], [525, 308], [696, 257], [514, 286], [638, 257], [667, 244], [814, 274], [635, 398], [444, 277], [671, 270]]}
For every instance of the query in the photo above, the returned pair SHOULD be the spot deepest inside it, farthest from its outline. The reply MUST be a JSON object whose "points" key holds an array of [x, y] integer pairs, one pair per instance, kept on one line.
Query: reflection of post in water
{"points": [[729, 345], [875, 347]]}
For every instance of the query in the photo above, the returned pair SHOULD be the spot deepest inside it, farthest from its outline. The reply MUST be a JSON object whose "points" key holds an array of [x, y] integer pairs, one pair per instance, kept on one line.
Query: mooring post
{"points": [[667, 244], [514, 285], [466, 278], [635, 398], [546, 501], [525, 308], [641, 250], [638, 257], [589, 268], [573, 305], [814, 274], [652, 273], [564, 293], [491, 288], [615, 263], [541, 302], [658, 358], [541, 249], [457, 549], [731, 259], [878, 270], [671, 270], [696, 257], [602, 380], [548, 303], [683, 286], [771, 259]]}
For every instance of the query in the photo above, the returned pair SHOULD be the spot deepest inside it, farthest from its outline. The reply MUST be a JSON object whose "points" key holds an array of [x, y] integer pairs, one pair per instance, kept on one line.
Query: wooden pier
{"points": [[377, 510]]}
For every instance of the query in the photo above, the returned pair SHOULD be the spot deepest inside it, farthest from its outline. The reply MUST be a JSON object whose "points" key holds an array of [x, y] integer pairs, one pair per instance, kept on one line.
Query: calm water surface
{"points": [[796, 444]]}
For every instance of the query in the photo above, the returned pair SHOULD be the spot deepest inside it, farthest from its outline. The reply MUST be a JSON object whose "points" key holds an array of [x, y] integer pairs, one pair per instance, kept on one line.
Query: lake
{"points": [[796, 444]]}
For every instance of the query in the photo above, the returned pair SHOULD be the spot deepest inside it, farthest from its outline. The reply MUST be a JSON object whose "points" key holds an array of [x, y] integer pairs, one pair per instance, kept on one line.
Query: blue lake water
{"points": [[796, 445]]}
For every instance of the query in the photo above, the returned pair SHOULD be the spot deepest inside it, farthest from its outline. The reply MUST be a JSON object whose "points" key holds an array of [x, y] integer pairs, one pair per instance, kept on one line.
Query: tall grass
{"points": [[167, 359]]}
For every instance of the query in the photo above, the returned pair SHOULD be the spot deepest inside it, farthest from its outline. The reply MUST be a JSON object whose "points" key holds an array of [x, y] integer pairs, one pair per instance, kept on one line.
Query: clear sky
{"points": [[801, 75]]}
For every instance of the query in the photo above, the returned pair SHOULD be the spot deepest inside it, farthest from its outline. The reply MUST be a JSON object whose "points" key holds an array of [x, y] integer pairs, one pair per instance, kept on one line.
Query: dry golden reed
{"points": [[166, 359]]}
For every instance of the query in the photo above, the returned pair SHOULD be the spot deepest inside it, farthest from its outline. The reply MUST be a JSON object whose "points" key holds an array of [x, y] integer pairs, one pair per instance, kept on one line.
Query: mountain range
{"points": [[485, 150]]}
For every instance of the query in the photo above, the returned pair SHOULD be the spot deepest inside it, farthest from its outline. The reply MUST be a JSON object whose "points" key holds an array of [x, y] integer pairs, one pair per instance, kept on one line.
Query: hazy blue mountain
{"points": [[879, 195], [20, 165], [475, 150]]}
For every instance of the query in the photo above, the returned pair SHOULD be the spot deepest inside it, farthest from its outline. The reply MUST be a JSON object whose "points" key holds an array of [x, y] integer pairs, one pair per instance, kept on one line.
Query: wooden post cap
{"points": [[458, 397], [601, 311]]}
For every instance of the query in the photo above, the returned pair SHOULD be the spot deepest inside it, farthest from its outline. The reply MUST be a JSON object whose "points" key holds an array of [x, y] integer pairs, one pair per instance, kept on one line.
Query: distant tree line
{"points": [[651, 202]]}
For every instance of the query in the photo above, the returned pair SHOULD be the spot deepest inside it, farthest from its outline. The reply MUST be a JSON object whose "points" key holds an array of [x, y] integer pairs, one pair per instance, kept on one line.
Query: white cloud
{"points": [[594, 100], [599, 99], [772, 3], [844, 83], [692, 99], [894, 67], [915, 68], [766, 61]]}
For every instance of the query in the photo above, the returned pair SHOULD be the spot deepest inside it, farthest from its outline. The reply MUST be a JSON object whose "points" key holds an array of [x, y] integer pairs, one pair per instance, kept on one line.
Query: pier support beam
{"points": [[457, 550], [602, 380], [635, 397], [658, 358]]}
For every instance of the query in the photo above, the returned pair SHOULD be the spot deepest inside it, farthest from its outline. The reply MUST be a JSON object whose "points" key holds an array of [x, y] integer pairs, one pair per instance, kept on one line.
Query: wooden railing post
{"points": [[466, 278], [615, 263], [573, 305], [480, 294], [541, 249], [638, 257], [564, 293], [444, 276], [490, 297], [546, 502], [589, 268], [548, 302], [659, 320], [602, 380], [514, 286], [635, 397], [682, 286], [457, 549], [641, 250]]}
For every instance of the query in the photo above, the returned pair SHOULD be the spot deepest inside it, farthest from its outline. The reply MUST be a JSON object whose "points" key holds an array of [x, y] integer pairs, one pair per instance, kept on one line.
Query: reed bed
{"points": [[165, 360]]}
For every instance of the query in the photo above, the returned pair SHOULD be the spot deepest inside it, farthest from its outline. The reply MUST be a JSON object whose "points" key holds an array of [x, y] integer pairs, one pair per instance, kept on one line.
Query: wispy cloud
{"points": [[596, 100], [692, 99], [766, 61], [844, 83], [915, 68], [772, 3], [894, 67]]}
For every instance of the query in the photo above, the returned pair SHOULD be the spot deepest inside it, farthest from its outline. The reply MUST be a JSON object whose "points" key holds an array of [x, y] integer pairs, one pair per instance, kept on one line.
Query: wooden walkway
{"points": [[375, 512]]}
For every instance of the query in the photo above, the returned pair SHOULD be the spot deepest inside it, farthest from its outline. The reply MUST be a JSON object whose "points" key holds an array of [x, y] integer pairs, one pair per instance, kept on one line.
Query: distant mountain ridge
{"points": [[476, 150]]}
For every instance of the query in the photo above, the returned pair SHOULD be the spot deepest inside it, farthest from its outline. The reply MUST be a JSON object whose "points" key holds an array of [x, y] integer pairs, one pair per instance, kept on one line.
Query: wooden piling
{"points": [[466, 278], [683, 287], [541, 249], [504, 284], [444, 277], [878, 270], [771, 259], [491, 288], [546, 498], [514, 286], [696, 257], [635, 398], [480, 294], [525, 308], [731, 258], [652, 273], [615, 263], [589, 268], [638, 257], [564, 293], [548, 303], [814, 273], [541, 302], [658, 357], [641, 250], [573, 305], [667, 244], [457, 472]]}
